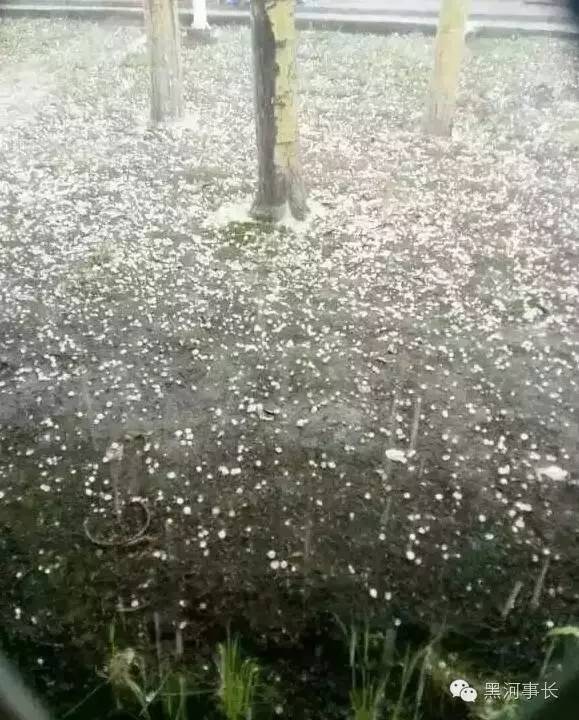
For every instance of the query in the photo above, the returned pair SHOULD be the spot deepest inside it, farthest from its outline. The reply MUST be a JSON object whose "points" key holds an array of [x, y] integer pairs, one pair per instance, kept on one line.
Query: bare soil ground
{"points": [[375, 415]]}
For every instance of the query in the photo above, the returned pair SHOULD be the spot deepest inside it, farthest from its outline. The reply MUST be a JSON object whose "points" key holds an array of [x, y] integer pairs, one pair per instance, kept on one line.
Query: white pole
{"points": [[200, 15]]}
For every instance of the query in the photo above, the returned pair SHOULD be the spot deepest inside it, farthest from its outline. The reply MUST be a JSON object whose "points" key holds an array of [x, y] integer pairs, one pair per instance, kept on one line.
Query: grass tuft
{"points": [[238, 680]]}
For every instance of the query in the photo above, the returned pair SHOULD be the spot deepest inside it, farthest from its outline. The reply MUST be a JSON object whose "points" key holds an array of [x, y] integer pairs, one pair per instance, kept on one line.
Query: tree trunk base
{"points": [[439, 120], [295, 206], [261, 212]]}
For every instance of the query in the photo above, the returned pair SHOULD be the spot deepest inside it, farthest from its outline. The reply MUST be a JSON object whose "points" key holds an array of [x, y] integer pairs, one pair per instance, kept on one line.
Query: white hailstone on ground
{"points": [[410, 555], [274, 564], [395, 455], [552, 472], [302, 422], [187, 510], [224, 470], [221, 534], [523, 507], [373, 593], [271, 554], [171, 475], [236, 471], [215, 511]]}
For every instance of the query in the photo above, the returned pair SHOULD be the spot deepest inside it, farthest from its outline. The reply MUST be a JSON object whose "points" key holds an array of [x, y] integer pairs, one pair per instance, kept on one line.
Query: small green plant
{"points": [[174, 697], [375, 671], [125, 673], [366, 701], [409, 666], [370, 660], [238, 680]]}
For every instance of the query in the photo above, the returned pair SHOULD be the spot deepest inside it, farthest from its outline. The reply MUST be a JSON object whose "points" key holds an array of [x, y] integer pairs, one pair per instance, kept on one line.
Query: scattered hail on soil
{"points": [[381, 409]]}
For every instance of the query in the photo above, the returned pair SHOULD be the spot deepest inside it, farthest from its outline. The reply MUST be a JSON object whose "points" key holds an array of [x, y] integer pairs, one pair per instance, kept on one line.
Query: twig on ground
{"points": [[415, 424], [536, 599], [512, 599], [138, 537]]}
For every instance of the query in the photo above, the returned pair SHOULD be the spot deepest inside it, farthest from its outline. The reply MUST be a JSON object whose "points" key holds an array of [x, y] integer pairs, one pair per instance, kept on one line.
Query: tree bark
{"points": [[449, 46], [162, 22], [280, 186]]}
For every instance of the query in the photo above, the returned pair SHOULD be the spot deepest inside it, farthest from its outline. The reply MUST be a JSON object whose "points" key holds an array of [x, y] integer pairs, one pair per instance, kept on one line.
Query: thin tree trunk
{"points": [[449, 46], [280, 186], [162, 22]]}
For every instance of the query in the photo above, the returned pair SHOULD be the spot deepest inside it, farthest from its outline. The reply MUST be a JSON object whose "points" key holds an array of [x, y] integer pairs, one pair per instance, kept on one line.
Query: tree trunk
{"points": [[449, 46], [162, 22], [200, 15], [280, 186]]}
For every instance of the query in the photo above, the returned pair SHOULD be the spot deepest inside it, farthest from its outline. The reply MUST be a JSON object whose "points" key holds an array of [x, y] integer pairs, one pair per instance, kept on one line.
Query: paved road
{"points": [[512, 9], [539, 10], [497, 18]]}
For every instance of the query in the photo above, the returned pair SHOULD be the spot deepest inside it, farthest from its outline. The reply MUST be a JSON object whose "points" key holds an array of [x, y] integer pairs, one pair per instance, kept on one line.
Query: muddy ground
{"points": [[372, 415]]}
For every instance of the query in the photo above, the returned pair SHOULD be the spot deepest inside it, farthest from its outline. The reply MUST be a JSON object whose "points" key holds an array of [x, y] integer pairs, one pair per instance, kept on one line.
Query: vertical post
{"points": [[200, 15]]}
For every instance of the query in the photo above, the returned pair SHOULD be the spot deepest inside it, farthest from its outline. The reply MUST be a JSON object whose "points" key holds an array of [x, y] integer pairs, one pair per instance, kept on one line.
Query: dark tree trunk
{"points": [[280, 187]]}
